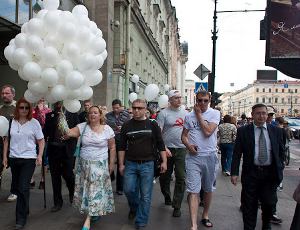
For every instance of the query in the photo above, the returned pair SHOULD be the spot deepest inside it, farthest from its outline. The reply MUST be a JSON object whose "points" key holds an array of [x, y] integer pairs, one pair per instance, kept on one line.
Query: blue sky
{"points": [[7, 10]]}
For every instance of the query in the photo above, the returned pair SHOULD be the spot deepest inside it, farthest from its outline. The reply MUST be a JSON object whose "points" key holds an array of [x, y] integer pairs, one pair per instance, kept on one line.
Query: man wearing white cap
{"points": [[170, 121]]}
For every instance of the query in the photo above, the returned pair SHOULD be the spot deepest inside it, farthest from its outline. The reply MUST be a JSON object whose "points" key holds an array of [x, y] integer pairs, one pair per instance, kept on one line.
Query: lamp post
{"points": [[291, 102]]}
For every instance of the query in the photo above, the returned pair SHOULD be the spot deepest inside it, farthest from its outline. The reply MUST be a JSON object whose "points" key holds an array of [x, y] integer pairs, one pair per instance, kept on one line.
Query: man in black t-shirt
{"points": [[139, 139]]}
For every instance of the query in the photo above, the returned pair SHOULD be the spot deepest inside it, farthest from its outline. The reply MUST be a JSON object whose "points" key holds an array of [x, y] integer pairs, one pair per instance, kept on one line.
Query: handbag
{"points": [[79, 143], [296, 194]]}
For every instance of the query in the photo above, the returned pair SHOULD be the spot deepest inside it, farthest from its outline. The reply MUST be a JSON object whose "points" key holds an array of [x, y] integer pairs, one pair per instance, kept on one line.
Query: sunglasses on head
{"points": [[24, 107], [202, 100]]}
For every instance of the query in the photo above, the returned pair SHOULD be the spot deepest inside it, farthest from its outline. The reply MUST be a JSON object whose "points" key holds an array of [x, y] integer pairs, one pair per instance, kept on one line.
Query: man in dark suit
{"points": [[60, 151], [262, 147]]}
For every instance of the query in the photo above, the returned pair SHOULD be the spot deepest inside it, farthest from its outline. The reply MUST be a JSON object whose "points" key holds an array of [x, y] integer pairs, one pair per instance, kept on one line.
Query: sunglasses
{"points": [[202, 100], [24, 107], [138, 108]]}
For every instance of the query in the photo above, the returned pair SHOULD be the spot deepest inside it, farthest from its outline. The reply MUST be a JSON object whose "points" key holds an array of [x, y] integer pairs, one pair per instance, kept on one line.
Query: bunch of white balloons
{"points": [[59, 53]]}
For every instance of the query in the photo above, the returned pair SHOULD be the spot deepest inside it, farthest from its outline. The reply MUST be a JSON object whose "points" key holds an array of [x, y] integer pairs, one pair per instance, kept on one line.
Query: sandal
{"points": [[207, 223]]}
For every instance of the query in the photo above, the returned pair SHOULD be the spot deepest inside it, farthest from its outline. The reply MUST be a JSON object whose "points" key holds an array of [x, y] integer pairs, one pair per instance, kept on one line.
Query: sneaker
{"points": [[168, 201], [227, 173], [176, 212], [275, 220], [12, 197]]}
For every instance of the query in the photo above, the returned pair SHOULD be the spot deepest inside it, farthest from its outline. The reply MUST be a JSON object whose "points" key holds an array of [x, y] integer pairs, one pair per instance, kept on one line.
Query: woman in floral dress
{"points": [[93, 192]]}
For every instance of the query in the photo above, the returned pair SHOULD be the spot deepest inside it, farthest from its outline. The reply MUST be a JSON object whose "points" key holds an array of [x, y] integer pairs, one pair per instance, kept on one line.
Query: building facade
{"points": [[282, 95], [142, 37], [189, 93]]}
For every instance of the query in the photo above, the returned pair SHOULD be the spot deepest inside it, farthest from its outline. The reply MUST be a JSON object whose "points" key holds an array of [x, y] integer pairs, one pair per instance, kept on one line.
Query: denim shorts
{"points": [[201, 172]]}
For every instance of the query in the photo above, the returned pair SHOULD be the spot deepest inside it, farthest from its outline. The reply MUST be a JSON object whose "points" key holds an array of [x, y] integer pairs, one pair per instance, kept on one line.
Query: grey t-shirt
{"points": [[171, 123]]}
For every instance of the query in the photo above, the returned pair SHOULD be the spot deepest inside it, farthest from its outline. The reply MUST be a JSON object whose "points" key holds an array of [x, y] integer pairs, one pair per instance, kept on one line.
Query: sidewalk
{"points": [[224, 212]]}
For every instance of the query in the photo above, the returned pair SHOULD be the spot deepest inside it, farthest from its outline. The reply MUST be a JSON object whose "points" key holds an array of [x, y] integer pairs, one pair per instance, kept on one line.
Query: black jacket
{"points": [[245, 144]]}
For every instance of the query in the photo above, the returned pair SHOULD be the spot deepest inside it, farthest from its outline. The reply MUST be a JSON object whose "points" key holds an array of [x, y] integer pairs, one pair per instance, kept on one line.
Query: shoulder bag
{"points": [[79, 143]]}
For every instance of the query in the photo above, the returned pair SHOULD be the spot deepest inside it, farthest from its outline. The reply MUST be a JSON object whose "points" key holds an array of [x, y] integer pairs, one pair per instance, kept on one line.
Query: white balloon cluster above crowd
{"points": [[59, 53]]}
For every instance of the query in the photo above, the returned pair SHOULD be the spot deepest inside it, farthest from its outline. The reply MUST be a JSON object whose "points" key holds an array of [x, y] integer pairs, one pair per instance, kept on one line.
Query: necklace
{"points": [[20, 123]]}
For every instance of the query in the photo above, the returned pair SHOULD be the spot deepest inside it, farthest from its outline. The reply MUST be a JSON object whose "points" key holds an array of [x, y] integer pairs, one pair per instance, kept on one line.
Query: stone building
{"points": [[282, 95], [189, 93], [142, 38]]}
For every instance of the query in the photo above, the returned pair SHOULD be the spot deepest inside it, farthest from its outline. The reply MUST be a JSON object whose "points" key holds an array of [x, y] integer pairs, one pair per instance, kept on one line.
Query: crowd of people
{"points": [[125, 145]]}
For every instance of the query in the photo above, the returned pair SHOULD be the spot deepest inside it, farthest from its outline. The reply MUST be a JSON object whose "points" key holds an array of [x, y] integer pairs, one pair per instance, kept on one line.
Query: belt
{"points": [[140, 161]]}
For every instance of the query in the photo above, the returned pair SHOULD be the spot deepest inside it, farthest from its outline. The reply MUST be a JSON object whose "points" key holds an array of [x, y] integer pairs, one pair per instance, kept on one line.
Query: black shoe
{"points": [[131, 215], [71, 197], [19, 226], [139, 227], [168, 201], [176, 212], [120, 193], [275, 220], [55, 208], [201, 204]]}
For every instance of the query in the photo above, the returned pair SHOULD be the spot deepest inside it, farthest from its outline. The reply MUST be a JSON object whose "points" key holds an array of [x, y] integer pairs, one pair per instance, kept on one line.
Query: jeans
{"points": [[226, 156], [22, 171], [138, 184], [178, 161]]}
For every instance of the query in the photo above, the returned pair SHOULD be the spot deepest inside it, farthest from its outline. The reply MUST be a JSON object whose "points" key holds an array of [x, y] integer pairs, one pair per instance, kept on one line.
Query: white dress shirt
{"points": [[257, 131]]}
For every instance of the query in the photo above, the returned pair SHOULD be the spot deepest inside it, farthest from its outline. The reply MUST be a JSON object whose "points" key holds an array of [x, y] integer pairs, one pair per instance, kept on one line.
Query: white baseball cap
{"points": [[174, 93]]}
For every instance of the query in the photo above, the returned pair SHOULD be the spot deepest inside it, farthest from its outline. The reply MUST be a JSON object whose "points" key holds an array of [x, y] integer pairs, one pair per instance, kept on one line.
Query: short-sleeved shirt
{"points": [[23, 139], [205, 145], [94, 146], [227, 133], [171, 122]]}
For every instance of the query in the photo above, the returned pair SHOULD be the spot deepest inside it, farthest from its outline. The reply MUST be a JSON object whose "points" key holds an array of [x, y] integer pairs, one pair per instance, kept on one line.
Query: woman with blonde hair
{"points": [[93, 192], [21, 143]]}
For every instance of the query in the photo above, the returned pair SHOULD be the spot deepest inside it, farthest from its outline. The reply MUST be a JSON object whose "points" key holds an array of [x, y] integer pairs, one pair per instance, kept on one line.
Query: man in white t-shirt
{"points": [[200, 138], [170, 121]]}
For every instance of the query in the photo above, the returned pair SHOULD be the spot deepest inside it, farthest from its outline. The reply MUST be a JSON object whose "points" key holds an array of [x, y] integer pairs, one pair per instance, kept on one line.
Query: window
{"points": [[289, 90], [263, 100], [276, 100], [276, 90], [296, 100], [282, 90], [257, 100], [186, 90], [270, 90], [282, 110], [270, 100], [257, 90], [263, 90], [289, 100], [282, 100], [296, 90]]}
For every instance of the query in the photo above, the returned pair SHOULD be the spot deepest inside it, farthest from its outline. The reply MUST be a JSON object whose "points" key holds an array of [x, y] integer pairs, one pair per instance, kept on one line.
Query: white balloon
{"points": [[80, 10], [9, 51], [21, 56], [67, 31], [98, 33], [84, 21], [52, 20], [24, 28], [37, 87], [36, 27], [4, 126], [98, 62], [32, 71], [50, 56], [51, 4], [151, 92], [137, 88], [49, 76], [21, 74], [163, 101], [12, 42], [73, 94], [74, 80], [93, 77], [86, 93], [93, 27], [97, 45], [13, 65], [20, 40], [86, 61], [132, 97], [72, 106], [49, 98], [30, 97], [104, 55], [52, 40], [59, 92], [41, 14], [67, 16], [35, 44], [166, 87], [64, 67], [135, 78], [71, 51], [83, 34]]}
